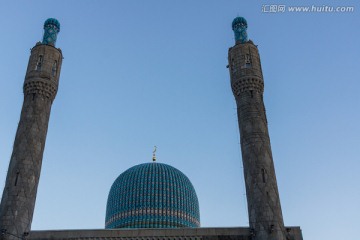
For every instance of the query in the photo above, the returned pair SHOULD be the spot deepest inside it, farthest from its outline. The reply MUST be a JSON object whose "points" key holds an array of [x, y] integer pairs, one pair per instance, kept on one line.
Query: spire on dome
{"points": [[154, 156]]}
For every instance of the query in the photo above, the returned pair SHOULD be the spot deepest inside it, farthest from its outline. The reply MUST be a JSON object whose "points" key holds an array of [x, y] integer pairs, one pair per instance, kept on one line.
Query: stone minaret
{"points": [[40, 87], [265, 217]]}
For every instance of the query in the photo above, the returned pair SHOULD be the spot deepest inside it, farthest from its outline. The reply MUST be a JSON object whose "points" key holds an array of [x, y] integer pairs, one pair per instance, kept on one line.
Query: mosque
{"points": [[150, 201]]}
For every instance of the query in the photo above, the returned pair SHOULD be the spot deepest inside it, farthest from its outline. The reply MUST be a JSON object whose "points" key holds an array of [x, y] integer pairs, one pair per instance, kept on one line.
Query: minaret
{"points": [[40, 87], [265, 216]]}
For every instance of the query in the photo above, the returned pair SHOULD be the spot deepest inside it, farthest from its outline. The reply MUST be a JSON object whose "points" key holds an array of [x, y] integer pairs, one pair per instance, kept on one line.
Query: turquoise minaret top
{"points": [[239, 26], [51, 29]]}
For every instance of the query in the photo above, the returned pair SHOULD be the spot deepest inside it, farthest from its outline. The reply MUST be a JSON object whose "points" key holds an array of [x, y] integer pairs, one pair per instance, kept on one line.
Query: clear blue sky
{"points": [[143, 73]]}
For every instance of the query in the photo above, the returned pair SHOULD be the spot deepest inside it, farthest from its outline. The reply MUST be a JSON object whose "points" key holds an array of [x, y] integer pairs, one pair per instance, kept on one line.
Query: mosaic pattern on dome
{"points": [[152, 195], [51, 29], [239, 26]]}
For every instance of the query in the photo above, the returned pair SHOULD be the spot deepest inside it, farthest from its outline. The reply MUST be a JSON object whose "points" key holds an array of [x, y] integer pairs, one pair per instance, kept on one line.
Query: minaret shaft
{"points": [[18, 201], [265, 216], [40, 88]]}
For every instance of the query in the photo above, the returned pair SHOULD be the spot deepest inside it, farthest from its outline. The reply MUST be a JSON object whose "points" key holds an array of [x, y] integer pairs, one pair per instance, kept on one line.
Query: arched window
{"points": [[263, 175], [233, 67], [247, 61], [39, 63], [17, 177], [54, 69]]}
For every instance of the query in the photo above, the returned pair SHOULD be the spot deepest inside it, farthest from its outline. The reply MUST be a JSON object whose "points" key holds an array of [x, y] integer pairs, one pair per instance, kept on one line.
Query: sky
{"points": [[142, 73]]}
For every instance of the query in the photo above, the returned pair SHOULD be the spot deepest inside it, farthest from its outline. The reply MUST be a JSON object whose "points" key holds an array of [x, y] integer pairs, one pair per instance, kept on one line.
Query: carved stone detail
{"points": [[40, 87], [247, 84], [265, 216], [19, 195]]}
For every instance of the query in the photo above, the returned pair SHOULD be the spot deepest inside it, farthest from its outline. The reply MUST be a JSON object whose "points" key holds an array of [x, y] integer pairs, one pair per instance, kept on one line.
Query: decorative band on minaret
{"points": [[265, 216], [40, 88]]}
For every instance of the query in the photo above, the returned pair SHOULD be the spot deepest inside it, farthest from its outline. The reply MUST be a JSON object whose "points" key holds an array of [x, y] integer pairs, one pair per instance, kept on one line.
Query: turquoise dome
{"points": [[52, 21], [239, 20], [239, 26], [51, 30], [152, 195]]}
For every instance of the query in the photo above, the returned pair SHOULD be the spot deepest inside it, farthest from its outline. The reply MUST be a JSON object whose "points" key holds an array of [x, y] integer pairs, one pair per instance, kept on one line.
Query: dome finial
{"points": [[239, 26], [154, 156], [51, 29]]}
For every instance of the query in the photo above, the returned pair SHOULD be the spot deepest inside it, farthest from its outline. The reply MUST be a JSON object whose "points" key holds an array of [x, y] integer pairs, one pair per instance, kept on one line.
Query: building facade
{"points": [[151, 201]]}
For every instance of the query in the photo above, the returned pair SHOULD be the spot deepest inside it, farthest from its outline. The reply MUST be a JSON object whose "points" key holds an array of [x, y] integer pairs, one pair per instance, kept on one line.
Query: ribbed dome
{"points": [[53, 22], [239, 20], [152, 195]]}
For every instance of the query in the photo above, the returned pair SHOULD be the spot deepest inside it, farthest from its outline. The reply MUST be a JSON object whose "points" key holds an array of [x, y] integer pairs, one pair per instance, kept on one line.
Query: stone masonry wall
{"points": [[235, 233], [19, 195], [265, 216]]}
